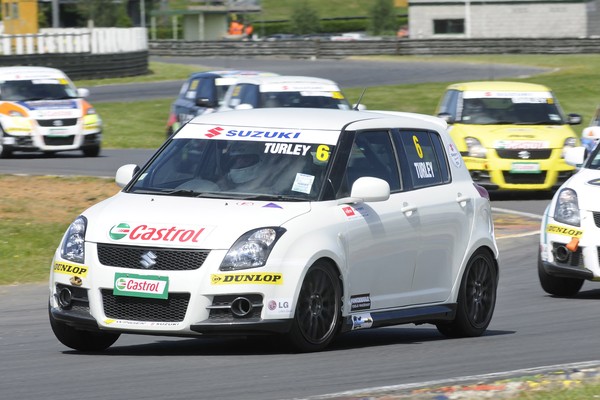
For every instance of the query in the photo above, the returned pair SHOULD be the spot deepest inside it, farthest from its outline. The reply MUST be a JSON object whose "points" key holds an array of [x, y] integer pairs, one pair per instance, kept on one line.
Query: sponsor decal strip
{"points": [[259, 134], [155, 287], [260, 278], [62, 267], [563, 230]]}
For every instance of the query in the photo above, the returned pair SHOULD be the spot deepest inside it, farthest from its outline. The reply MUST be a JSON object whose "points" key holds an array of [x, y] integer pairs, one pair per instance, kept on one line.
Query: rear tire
{"points": [[318, 310], [476, 298], [81, 340], [558, 286]]}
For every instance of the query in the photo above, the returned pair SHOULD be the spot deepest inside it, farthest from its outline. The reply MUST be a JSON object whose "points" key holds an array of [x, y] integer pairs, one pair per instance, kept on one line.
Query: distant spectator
{"points": [[236, 28], [402, 32], [248, 31]]}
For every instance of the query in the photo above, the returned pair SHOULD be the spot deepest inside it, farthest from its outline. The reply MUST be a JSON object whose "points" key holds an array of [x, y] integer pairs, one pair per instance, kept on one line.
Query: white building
{"points": [[437, 19]]}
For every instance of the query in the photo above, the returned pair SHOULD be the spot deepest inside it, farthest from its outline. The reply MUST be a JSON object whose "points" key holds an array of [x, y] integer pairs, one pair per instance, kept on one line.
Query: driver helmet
{"points": [[245, 161], [474, 106]]}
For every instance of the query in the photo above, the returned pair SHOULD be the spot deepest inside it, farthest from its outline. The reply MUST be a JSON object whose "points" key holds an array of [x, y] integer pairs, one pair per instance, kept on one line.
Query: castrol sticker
{"points": [[143, 233], [155, 287]]}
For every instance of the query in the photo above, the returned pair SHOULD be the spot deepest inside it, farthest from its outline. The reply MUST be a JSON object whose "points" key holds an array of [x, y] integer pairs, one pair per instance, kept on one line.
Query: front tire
{"points": [[5, 151], [91, 151], [318, 310], [558, 286], [81, 340], [476, 298]]}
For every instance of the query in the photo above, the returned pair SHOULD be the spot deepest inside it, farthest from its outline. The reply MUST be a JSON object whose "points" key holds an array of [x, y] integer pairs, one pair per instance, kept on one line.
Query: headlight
{"points": [[252, 249], [569, 142], [475, 148], [567, 207], [91, 111], [73, 247], [15, 113]]}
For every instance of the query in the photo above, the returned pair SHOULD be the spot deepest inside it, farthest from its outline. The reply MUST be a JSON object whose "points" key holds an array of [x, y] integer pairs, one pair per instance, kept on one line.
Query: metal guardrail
{"points": [[341, 49]]}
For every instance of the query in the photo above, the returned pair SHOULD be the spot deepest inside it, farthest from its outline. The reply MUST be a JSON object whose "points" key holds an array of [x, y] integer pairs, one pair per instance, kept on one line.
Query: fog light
{"points": [[65, 298]]}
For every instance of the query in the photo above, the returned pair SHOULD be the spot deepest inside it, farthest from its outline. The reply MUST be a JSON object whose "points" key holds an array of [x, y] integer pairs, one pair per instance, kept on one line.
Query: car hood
{"points": [[163, 221], [517, 136], [587, 185]]}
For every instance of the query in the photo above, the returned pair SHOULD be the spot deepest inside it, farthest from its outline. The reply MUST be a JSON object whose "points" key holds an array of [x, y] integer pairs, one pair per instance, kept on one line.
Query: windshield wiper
{"points": [[545, 122], [275, 197]]}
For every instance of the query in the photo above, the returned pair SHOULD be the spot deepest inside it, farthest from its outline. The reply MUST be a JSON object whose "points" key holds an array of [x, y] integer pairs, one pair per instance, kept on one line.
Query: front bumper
{"points": [[502, 174], [197, 303]]}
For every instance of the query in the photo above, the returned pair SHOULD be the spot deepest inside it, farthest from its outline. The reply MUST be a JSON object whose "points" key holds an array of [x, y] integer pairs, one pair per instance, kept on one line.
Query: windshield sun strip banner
{"points": [[479, 94], [298, 87], [257, 134]]}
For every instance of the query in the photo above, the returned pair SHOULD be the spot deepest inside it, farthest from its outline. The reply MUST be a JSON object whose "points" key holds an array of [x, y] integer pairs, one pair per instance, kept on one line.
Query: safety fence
{"points": [[76, 40]]}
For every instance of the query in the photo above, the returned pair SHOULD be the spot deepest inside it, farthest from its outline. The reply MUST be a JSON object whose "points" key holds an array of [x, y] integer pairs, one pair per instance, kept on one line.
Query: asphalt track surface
{"points": [[530, 330], [347, 73]]}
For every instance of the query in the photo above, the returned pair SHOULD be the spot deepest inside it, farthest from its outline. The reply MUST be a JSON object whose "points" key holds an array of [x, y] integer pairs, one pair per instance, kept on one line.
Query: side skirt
{"points": [[420, 315]]}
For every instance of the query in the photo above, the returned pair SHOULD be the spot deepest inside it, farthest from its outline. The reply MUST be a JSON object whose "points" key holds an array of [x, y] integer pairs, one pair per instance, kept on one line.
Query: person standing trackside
{"points": [[248, 31]]}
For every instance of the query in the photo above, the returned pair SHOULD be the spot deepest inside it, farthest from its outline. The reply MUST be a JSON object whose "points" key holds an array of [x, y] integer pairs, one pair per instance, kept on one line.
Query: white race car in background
{"points": [[570, 231]]}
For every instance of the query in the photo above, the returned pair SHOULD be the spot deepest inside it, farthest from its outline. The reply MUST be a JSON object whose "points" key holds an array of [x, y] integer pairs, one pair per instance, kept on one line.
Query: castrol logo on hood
{"points": [[158, 234]]}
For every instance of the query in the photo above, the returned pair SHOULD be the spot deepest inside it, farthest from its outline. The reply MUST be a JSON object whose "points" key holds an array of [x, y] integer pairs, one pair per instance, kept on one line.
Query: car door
{"points": [[381, 239], [444, 209]]}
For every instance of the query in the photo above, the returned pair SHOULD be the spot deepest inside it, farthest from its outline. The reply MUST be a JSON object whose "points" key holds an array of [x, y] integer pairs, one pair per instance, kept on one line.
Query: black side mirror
{"points": [[206, 102], [446, 117], [574, 119]]}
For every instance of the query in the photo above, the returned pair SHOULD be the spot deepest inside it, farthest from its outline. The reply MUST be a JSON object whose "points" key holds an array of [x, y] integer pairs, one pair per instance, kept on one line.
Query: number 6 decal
{"points": [[418, 146]]}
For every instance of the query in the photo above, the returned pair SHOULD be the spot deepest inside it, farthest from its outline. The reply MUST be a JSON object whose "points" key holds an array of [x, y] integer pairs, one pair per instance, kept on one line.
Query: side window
{"points": [[372, 155], [423, 155], [247, 94]]}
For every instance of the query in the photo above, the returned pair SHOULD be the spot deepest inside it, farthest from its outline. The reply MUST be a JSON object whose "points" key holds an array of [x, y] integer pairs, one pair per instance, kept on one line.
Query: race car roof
{"points": [[24, 73], [499, 86], [317, 119]]}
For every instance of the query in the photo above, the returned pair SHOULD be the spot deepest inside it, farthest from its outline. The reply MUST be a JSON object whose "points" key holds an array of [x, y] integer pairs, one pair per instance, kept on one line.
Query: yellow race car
{"points": [[511, 135]]}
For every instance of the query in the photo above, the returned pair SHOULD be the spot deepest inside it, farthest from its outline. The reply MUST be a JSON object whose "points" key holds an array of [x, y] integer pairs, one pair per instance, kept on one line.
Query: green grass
{"points": [[282, 9]]}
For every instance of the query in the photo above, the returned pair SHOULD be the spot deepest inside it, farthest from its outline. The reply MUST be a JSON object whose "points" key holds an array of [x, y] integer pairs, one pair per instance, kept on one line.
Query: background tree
{"points": [[382, 18], [104, 13], [304, 18]]}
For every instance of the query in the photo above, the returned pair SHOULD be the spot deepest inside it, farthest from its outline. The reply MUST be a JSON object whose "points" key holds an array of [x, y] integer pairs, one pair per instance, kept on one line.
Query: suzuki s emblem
{"points": [[524, 154], [57, 122], [148, 259]]}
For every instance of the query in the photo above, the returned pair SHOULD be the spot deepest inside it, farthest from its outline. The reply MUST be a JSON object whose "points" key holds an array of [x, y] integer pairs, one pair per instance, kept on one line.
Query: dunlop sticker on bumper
{"points": [[563, 230], [261, 278], [62, 267]]}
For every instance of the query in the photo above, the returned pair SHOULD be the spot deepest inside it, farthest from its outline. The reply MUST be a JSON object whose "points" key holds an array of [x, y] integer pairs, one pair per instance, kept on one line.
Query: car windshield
{"points": [[304, 99], [239, 169], [517, 111], [37, 89]]}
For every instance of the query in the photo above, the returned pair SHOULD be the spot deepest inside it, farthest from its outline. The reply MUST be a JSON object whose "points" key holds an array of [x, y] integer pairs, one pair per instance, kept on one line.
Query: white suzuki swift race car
{"points": [[570, 229], [42, 110], [298, 222]]}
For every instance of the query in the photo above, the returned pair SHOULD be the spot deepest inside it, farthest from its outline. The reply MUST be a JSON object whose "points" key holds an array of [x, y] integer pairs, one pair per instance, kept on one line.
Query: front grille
{"points": [[172, 309], [59, 140], [596, 218], [55, 124], [220, 310], [533, 154], [532, 179], [166, 259]]}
